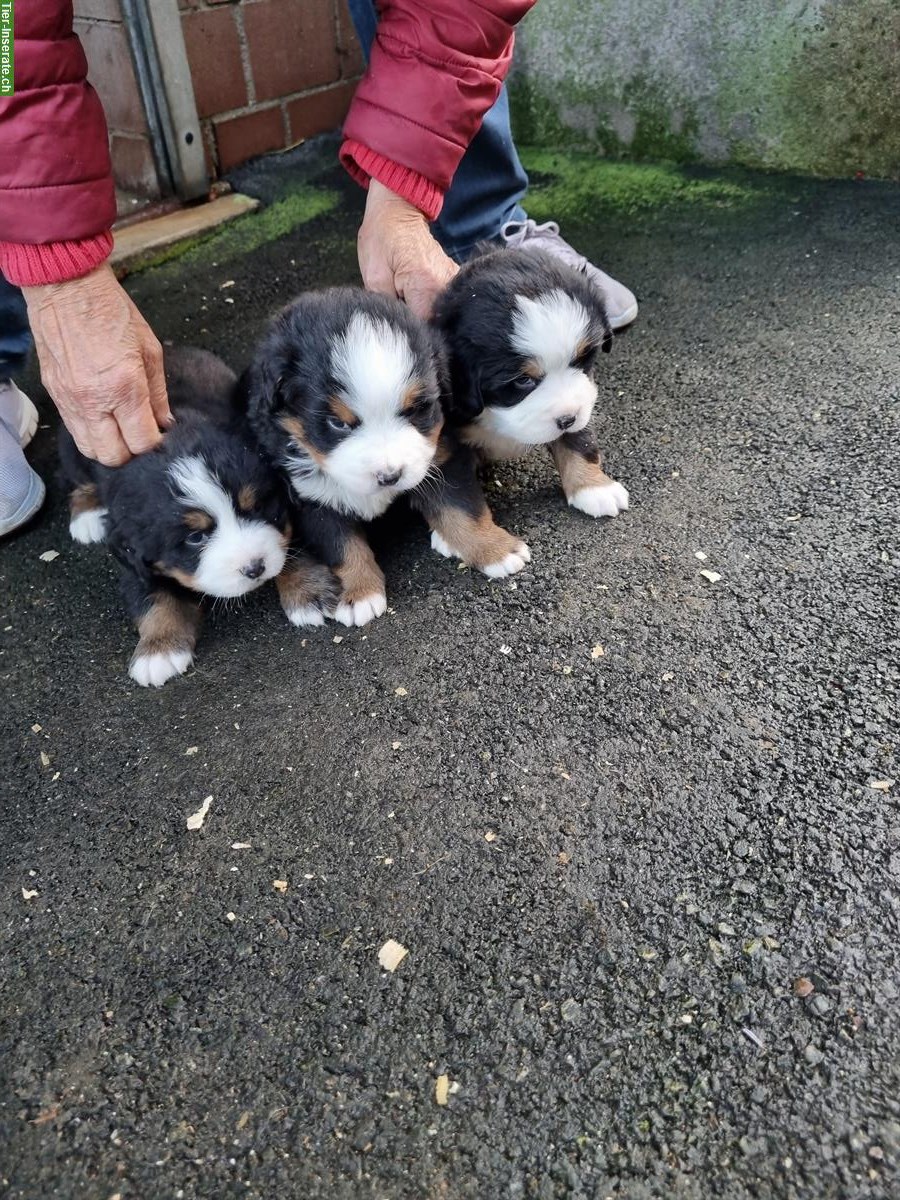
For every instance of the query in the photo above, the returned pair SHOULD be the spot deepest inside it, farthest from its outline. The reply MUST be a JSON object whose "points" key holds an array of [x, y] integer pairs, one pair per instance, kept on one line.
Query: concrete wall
{"points": [[799, 85]]}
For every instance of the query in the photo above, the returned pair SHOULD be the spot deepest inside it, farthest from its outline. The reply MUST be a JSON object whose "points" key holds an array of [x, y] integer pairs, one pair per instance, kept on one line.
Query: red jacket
{"points": [[436, 68], [57, 201]]}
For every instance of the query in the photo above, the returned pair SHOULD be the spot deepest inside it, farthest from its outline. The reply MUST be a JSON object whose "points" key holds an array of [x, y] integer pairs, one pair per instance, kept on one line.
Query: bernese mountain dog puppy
{"points": [[201, 515], [523, 332], [344, 394]]}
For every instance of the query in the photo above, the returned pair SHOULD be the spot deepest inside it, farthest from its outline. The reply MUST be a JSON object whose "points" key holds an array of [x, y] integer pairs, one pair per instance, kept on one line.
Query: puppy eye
{"points": [[336, 425], [198, 538], [525, 383]]}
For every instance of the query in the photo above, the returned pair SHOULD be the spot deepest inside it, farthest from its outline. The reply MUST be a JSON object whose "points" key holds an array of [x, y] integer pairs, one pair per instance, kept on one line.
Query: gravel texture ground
{"points": [[650, 897]]}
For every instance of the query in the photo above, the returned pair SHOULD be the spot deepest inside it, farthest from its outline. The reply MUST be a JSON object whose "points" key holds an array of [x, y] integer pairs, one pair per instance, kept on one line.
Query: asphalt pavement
{"points": [[635, 826]]}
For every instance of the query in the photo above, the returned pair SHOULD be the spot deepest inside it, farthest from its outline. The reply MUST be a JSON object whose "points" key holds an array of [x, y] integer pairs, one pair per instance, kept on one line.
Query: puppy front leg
{"points": [[87, 516], [461, 523], [308, 590], [168, 624], [341, 544], [587, 488]]}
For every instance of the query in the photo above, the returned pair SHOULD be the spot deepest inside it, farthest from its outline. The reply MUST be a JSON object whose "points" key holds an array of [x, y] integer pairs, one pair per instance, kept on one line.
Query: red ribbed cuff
{"points": [[365, 164], [53, 262]]}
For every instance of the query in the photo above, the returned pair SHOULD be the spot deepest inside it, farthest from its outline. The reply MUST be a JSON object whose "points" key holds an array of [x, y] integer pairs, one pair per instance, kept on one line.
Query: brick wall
{"points": [[98, 24], [268, 73]]}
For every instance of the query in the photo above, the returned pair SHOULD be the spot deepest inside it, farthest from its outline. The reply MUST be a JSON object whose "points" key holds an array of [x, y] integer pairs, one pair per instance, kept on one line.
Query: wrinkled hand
{"points": [[398, 255], [102, 365]]}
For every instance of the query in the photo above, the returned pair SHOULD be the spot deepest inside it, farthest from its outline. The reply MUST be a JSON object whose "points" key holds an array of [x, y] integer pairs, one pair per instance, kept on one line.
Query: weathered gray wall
{"points": [[803, 85]]}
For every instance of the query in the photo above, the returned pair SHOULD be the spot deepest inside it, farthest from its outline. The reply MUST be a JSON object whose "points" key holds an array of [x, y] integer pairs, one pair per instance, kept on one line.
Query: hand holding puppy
{"points": [[101, 363], [398, 256]]}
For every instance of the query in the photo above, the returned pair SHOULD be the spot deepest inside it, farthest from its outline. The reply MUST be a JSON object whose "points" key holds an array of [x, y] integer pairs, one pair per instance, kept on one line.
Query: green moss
{"points": [[581, 187], [246, 234]]}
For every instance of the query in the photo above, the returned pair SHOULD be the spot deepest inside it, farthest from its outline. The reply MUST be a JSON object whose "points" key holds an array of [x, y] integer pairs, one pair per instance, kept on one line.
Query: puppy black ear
{"points": [[607, 344], [466, 401], [259, 388]]}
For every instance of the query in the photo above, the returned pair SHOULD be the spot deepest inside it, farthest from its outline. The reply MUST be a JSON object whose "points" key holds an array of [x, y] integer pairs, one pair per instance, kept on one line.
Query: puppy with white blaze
{"points": [[523, 332], [344, 394], [202, 515]]}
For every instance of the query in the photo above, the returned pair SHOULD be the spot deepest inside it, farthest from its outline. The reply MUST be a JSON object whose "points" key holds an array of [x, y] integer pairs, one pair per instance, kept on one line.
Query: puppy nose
{"points": [[254, 569], [565, 423], [387, 478]]}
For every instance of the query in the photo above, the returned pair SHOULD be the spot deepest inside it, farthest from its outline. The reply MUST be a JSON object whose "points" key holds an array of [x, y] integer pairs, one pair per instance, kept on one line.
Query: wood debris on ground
{"points": [[45, 759], [563, 858], [401, 691], [48, 555], [597, 651], [504, 649], [280, 885], [881, 785], [337, 639], [191, 750], [712, 576], [241, 845], [392, 954], [196, 819], [699, 554], [442, 1090], [490, 836], [29, 894], [230, 916], [803, 987], [36, 728], [395, 745]]}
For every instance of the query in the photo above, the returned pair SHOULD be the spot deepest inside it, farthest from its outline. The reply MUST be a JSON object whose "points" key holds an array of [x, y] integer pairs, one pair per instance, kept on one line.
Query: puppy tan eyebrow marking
{"points": [[83, 498], [247, 498], [412, 394], [583, 349], [195, 518], [533, 369], [293, 427], [342, 410]]}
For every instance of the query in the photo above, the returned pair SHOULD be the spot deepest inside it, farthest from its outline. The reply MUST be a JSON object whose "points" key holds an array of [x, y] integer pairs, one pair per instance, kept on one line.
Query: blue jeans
{"points": [[15, 338], [489, 182]]}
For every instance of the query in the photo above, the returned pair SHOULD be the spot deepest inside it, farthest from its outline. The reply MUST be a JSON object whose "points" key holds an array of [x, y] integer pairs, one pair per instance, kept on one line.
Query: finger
{"points": [[81, 435], [156, 382], [107, 443], [138, 426]]}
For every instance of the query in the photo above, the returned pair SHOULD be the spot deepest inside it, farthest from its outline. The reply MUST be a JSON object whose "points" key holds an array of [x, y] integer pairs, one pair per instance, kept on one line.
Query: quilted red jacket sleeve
{"points": [[57, 201], [436, 68]]}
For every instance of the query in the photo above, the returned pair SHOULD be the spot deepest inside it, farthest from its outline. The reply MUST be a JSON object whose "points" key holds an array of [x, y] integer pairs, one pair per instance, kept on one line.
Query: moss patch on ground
{"points": [[585, 188], [246, 234]]}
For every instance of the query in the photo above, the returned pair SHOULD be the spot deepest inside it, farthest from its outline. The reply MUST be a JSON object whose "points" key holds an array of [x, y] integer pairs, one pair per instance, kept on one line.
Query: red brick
{"points": [[102, 10], [111, 73], [133, 167], [319, 112], [349, 50], [214, 53], [292, 45], [240, 138]]}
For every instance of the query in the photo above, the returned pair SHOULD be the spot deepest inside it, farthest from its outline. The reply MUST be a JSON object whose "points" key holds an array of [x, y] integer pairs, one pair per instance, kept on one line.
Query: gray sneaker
{"points": [[621, 304], [21, 489]]}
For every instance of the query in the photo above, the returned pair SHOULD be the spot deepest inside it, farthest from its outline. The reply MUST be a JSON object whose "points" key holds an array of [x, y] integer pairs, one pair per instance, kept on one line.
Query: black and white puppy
{"points": [[343, 393], [523, 332], [202, 515]]}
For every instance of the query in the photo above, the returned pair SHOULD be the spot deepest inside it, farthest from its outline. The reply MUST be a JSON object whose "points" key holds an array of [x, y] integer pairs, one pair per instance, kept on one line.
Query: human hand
{"points": [[398, 254], [102, 365]]}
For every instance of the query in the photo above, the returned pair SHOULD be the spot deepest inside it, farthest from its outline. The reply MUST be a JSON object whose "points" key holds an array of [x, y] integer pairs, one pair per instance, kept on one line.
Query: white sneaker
{"points": [[621, 304], [21, 489], [17, 411]]}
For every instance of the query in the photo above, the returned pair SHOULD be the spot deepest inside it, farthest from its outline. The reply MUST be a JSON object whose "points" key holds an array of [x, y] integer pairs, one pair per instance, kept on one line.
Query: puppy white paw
{"points": [[510, 564], [89, 526], [361, 612], [606, 501], [442, 547], [153, 670], [306, 616]]}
